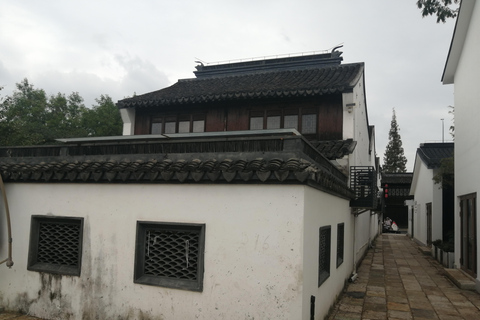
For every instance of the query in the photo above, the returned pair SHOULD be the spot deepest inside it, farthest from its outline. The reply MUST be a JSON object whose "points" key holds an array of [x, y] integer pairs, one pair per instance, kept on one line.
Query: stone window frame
{"points": [[42, 257], [141, 249]]}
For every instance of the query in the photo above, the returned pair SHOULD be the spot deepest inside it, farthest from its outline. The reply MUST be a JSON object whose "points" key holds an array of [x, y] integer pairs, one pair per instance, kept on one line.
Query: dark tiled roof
{"points": [[282, 159], [196, 170], [288, 83], [433, 153], [335, 149], [397, 178], [288, 62]]}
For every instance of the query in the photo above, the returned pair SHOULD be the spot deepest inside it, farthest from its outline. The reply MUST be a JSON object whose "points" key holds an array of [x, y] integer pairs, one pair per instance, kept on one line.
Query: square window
{"points": [[340, 243], [170, 255], [56, 245], [290, 121], [183, 126], [256, 123], [170, 127], [324, 254], [198, 125], [273, 122], [156, 128], [309, 123]]}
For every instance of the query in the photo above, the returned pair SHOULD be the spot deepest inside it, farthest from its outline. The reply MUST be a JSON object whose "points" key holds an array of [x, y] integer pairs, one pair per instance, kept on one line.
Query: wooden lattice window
{"points": [[170, 255], [324, 254], [340, 243], [55, 245]]}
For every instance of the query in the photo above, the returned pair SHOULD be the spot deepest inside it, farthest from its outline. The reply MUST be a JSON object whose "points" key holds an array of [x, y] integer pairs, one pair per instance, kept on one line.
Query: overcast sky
{"points": [[124, 47]]}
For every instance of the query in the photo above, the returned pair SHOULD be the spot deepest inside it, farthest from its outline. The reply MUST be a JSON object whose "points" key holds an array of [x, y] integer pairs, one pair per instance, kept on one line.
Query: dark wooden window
{"points": [[170, 255], [340, 243], [56, 245], [305, 121], [309, 123], [290, 121], [324, 254], [198, 124], [468, 234], [177, 124], [157, 126]]}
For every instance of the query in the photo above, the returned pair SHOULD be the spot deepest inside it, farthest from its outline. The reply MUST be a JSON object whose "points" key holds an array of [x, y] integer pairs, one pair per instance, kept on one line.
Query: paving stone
{"points": [[399, 314], [397, 299], [351, 308], [400, 282], [378, 300], [423, 313], [374, 315], [398, 306], [378, 307]]}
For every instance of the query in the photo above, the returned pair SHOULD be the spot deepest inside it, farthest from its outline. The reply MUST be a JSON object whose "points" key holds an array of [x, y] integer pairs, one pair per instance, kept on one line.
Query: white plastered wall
{"points": [[467, 130], [253, 251], [325, 210], [128, 118], [355, 126], [426, 191]]}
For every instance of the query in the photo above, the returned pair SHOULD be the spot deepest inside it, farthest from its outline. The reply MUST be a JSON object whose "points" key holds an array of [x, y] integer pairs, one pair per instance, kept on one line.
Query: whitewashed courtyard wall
{"points": [[461, 69], [323, 210], [426, 191], [355, 126], [261, 251]]}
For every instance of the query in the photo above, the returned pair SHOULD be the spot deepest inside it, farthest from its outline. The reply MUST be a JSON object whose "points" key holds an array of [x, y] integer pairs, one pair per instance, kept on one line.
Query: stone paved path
{"points": [[397, 281]]}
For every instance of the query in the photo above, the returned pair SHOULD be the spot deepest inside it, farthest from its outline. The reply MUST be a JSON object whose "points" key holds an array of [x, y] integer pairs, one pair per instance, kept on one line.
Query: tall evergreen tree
{"points": [[394, 160]]}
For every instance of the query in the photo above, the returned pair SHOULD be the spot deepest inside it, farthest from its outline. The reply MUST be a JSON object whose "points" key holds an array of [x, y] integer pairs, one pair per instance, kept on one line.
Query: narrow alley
{"points": [[397, 281]]}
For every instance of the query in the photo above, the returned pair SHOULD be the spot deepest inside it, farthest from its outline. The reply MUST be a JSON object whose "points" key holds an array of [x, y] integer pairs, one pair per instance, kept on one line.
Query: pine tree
{"points": [[394, 160]]}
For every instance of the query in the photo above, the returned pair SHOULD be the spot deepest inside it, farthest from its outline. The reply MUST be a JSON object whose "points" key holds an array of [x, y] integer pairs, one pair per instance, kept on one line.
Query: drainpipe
{"points": [[9, 260]]}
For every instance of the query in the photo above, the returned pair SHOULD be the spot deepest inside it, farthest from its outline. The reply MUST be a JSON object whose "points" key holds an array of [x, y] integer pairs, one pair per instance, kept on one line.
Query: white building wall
{"points": [[426, 191], [325, 210], [467, 130], [128, 118], [355, 126], [254, 260]]}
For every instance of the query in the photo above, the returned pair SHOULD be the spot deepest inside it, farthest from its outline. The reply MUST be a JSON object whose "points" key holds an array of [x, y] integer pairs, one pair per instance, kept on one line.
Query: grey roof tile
{"points": [[272, 84]]}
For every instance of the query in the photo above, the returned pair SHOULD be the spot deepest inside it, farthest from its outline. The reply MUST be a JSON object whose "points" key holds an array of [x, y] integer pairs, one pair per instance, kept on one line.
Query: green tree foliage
{"points": [[394, 160], [103, 119], [441, 8], [446, 173], [452, 127], [30, 117]]}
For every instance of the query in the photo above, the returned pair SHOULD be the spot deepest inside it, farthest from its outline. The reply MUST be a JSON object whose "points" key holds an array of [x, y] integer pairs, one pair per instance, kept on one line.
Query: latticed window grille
{"points": [[363, 182], [340, 243], [170, 255], [324, 254], [56, 244]]}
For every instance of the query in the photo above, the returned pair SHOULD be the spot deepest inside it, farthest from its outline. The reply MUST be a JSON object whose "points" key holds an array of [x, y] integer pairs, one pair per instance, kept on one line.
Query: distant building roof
{"points": [[433, 153], [335, 149], [397, 178], [301, 77], [287, 62]]}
